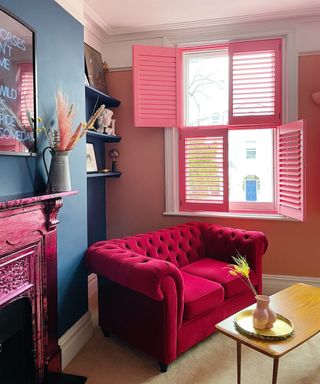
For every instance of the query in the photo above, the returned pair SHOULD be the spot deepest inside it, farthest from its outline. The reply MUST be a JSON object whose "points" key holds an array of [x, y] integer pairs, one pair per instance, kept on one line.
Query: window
{"points": [[260, 167], [203, 169], [225, 100], [251, 149], [206, 88]]}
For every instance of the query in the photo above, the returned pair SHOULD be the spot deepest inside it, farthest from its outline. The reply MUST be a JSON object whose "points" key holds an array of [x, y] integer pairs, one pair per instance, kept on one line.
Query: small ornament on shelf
{"points": [[114, 154], [105, 66], [105, 123]]}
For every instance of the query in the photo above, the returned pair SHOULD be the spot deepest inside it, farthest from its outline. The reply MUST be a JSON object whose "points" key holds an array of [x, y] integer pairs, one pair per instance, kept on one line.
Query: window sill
{"points": [[238, 215]]}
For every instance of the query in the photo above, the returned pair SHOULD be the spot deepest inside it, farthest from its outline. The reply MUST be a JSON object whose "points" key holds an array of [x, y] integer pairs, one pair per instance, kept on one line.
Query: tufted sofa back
{"points": [[223, 242], [180, 245], [186, 243]]}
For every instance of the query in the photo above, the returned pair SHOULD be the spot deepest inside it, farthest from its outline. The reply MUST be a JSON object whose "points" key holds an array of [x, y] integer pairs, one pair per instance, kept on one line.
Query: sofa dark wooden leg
{"points": [[106, 333], [163, 367]]}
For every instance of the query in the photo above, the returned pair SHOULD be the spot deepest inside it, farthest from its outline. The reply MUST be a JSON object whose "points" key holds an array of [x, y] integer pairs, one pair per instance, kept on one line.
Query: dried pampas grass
{"points": [[65, 116]]}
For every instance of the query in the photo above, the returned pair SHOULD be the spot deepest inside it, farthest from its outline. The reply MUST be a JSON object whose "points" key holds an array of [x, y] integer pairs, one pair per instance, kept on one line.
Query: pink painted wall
{"points": [[136, 201]]}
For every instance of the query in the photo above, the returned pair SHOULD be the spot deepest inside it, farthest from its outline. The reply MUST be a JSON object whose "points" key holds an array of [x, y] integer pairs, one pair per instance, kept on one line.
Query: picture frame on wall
{"points": [[91, 158], [94, 69]]}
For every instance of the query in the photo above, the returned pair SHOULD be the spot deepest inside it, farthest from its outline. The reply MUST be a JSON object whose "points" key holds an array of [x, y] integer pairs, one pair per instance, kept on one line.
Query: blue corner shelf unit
{"points": [[97, 181]]}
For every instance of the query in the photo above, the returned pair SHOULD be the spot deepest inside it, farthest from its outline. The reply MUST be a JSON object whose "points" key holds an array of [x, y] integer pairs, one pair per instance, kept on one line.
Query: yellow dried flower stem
{"points": [[70, 110], [241, 269]]}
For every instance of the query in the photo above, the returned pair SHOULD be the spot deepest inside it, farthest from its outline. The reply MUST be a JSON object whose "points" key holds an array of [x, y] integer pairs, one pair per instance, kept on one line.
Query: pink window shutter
{"points": [[154, 86], [203, 170], [290, 170], [255, 82]]}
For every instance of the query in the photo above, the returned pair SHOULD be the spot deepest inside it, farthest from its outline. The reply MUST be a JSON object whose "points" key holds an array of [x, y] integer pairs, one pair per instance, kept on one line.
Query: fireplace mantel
{"points": [[15, 201], [28, 267]]}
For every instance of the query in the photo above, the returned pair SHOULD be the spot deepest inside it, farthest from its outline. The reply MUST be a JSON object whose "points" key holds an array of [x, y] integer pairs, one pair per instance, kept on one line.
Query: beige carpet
{"points": [[111, 361]]}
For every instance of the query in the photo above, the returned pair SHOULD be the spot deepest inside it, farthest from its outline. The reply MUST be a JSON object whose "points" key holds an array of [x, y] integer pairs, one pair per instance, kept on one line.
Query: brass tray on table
{"points": [[282, 328]]}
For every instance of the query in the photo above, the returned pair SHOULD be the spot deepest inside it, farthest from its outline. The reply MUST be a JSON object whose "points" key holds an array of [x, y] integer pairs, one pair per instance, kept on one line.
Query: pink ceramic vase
{"points": [[272, 317], [263, 316]]}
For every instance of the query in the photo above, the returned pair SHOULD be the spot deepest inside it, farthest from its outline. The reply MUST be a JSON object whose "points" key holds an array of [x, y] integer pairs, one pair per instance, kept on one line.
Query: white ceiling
{"points": [[123, 16]]}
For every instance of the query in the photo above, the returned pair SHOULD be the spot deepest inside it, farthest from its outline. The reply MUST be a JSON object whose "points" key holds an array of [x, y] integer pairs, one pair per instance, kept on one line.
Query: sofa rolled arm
{"points": [[223, 242], [140, 273]]}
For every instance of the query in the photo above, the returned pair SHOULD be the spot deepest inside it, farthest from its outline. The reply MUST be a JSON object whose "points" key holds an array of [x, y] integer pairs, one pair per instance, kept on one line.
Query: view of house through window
{"points": [[251, 149], [251, 178]]}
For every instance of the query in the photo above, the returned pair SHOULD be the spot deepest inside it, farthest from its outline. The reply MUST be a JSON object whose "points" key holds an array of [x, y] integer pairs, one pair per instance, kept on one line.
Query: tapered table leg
{"points": [[275, 370], [238, 362]]}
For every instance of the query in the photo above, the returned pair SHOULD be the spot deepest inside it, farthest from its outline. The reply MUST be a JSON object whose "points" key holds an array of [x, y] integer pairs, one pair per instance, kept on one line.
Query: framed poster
{"points": [[17, 86], [91, 158], [94, 69]]}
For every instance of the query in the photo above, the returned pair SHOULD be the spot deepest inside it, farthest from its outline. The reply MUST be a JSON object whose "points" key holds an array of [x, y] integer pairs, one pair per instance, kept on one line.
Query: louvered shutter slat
{"points": [[291, 170], [154, 84], [255, 82], [203, 183]]}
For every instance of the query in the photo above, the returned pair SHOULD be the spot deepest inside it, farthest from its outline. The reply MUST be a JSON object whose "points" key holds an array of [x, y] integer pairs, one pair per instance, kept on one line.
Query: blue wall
{"points": [[59, 57]]}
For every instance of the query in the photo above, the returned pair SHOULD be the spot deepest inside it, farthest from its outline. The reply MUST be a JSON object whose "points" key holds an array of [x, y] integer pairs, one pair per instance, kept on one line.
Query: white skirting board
{"points": [[274, 283], [79, 334], [75, 338], [92, 285]]}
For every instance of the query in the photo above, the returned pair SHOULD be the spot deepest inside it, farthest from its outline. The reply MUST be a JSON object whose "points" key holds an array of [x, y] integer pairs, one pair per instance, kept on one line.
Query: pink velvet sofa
{"points": [[164, 291]]}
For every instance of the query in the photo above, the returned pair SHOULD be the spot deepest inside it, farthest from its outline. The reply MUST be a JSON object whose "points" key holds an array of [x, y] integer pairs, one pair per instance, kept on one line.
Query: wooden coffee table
{"points": [[301, 304]]}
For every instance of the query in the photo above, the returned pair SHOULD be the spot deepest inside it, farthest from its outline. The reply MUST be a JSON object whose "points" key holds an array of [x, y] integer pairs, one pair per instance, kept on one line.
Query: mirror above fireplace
{"points": [[17, 86]]}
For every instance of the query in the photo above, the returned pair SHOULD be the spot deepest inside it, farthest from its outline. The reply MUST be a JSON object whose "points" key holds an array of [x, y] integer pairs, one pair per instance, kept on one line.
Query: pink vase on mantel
{"points": [[263, 316]]}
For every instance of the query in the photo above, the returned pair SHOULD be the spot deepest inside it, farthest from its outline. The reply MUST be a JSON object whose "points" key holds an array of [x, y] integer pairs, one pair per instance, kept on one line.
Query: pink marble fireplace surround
{"points": [[28, 268]]}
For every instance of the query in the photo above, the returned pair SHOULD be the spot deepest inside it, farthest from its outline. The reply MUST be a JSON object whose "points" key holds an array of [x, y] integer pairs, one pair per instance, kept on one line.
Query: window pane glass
{"points": [[251, 170], [206, 88], [251, 147]]}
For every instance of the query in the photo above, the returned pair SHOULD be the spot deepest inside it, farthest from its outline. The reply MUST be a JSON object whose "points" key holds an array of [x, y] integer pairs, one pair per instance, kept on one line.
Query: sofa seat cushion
{"points": [[200, 295], [218, 271]]}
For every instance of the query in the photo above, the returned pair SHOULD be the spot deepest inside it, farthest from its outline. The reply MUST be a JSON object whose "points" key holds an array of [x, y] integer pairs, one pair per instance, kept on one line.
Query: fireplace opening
{"points": [[17, 361]]}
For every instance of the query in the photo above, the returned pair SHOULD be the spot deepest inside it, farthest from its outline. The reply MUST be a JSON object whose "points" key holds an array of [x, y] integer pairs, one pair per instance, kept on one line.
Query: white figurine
{"points": [[104, 121]]}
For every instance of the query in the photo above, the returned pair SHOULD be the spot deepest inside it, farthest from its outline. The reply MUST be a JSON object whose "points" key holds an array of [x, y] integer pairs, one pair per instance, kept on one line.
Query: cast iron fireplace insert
{"points": [[17, 355], [16, 348]]}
